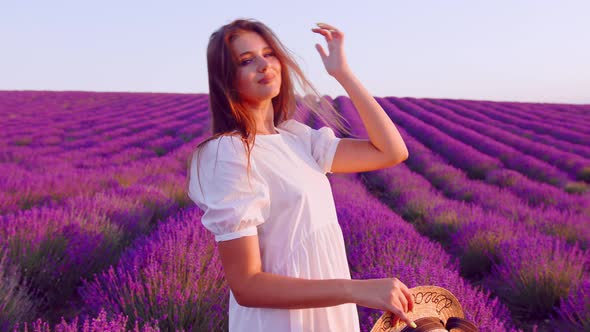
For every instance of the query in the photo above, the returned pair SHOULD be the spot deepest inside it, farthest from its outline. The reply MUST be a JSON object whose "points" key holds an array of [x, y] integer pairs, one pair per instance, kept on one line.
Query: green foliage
{"points": [[576, 187], [186, 137], [170, 132], [160, 151], [480, 254], [536, 297], [54, 262], [444, 224], [584, 174], [16, 304], [23, 141], [532, 281]]}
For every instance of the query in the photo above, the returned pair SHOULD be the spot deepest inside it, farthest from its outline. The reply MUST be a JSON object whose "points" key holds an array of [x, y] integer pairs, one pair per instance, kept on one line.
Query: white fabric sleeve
{"points": [[232, 208], [322, 143], [323, 147]]}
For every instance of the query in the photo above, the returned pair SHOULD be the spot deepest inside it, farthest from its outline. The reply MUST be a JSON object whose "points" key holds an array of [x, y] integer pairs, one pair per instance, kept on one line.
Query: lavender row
{"points": [[481, 241], [563, 134], [555, 115], [541, 114], [575, 309], [477, 165], [148, 130], [40, 176], [64, 113], [18, 309], [382, 245], [173, 277], [556, 213], [533, 192], [538, 107], [480, 117], [45, 242], [101, 122], [554, 151], [570, 225], [95, 147], [54, 247], [116, 322], [41, 180], [551, 115], [576, 166], [100, 323], [508, 156]]}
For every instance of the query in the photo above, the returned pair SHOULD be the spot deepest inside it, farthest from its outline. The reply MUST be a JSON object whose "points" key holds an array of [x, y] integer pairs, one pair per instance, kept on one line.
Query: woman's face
{"points": [[258, 76]]}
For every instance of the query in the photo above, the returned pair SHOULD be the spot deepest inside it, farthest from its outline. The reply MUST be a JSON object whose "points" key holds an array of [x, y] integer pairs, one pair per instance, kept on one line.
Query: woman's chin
{"points": [[271, 94], [265, 93]]}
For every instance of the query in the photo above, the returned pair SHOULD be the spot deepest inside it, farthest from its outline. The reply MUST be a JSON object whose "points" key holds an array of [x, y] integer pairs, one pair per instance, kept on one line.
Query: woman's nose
{"points": [[263, 64]]}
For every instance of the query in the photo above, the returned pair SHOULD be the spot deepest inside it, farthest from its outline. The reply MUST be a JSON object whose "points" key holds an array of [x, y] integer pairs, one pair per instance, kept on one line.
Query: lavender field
{"points": [[97, 231]]}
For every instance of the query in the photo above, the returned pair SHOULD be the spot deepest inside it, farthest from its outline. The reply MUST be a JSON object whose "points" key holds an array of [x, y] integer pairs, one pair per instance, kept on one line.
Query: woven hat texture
{"points": [[429, 301]]}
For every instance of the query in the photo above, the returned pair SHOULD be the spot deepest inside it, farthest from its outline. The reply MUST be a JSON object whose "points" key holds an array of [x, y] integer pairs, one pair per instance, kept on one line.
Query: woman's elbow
{"points": [[241, 296], [398, 158], [245, 295], [404, 155]]}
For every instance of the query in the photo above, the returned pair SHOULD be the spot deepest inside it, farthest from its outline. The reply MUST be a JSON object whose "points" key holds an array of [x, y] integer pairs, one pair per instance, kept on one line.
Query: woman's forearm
{"points": [[276, 291], [382, 132]]}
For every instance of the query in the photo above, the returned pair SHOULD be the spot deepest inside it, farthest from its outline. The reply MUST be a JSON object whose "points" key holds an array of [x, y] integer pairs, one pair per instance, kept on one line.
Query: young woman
{"points": [[261, 181]]}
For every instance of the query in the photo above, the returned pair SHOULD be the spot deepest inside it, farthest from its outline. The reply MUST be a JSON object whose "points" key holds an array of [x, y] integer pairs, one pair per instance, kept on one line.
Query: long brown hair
{"points": [[229, 116]]}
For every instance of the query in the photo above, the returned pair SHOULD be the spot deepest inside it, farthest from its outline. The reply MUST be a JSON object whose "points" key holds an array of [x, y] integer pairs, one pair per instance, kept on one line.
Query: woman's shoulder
{"points": [[295, 126], [223, 147]]}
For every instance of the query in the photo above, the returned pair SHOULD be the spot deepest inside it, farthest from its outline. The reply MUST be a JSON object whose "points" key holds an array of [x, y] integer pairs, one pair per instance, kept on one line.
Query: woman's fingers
{"points": [[327, 26], [331, 29], [334, 32], [404, 302], [402, 316], [323, 32], [408, 296], [321, 51]]}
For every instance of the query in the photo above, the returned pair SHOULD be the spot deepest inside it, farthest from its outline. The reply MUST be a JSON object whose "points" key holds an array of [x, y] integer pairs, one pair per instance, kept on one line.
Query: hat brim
{"points": [[429, 301]]}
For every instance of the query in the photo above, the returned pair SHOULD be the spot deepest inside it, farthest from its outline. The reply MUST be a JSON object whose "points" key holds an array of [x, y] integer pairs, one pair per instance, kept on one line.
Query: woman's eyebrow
{"points": [[249, 52]]}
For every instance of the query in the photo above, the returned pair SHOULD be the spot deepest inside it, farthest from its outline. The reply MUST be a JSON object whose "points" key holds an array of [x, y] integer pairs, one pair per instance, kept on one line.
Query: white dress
{"points": [[290, 208]]}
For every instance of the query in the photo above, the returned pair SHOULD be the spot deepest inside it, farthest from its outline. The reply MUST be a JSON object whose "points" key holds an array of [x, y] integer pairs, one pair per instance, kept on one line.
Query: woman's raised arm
{"points": [[385, 146]]}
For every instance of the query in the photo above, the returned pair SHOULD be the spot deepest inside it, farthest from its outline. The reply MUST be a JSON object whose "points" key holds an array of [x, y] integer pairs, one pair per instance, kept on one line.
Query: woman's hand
{"points": [[335, 62], [389, 294]]}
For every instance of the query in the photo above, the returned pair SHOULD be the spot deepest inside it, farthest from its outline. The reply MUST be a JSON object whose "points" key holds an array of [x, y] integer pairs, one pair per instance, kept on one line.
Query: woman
{"points": [[264, 191]]}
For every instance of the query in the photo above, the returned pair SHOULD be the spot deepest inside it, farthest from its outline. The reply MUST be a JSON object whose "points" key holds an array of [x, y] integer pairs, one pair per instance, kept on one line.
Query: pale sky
{"points": [[533, 51]]}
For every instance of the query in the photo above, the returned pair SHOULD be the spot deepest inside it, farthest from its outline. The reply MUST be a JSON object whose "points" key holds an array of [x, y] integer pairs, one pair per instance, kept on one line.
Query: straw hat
{"points": [[434, 308]]}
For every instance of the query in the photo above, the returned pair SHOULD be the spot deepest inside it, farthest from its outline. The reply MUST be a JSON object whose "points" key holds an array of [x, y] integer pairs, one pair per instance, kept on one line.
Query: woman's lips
{"points": [[266, 80]]}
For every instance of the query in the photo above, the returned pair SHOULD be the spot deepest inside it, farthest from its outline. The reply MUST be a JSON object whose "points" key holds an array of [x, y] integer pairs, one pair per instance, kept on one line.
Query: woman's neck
{"points": [[264, 117]]}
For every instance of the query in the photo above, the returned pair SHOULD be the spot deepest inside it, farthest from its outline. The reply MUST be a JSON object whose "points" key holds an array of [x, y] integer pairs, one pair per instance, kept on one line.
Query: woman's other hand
{"points": [[335, 62], [389, 294]]}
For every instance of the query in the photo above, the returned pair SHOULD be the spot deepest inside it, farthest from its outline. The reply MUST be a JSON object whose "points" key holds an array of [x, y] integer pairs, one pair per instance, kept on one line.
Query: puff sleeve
{"points": [[323, 147], [322, 143], [233, 207]]}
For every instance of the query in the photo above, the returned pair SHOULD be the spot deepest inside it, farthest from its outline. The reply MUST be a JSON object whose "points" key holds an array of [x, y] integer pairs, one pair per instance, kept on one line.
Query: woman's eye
{"points": [[247, 61]]}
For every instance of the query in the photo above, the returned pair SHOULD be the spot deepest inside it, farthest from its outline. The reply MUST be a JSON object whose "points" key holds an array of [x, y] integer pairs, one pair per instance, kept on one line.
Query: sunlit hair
{"points": [[229, 115]]}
